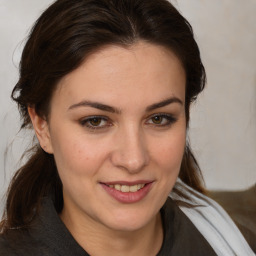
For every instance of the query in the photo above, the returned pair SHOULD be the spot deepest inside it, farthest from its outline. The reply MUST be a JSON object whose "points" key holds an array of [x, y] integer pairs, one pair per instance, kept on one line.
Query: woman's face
{"points": [[117, 131]]}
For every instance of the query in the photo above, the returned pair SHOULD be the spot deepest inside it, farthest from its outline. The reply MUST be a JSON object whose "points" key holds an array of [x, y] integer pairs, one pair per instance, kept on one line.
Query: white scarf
{"points": [[213, 223]]}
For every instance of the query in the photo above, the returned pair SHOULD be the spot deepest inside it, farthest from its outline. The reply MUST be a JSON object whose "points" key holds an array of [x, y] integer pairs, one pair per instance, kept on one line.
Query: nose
{"points": [[130, 151]]}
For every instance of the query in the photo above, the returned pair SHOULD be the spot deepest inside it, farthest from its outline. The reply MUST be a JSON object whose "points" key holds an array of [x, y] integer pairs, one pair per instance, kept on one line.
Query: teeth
{"points": [[134, 188], [126, 188], [117, 187]]}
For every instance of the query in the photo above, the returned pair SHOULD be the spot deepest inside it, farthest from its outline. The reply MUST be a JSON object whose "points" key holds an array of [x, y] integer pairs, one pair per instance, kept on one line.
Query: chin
{"points": [[129, 222]]}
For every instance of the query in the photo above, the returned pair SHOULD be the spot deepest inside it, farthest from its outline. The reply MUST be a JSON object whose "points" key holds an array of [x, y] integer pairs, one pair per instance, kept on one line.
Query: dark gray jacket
{"points": [[48, 236]]}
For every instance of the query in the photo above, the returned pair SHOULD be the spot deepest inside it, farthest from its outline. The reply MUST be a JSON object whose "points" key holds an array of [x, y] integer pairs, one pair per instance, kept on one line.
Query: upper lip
{"points": [[127, 183]]}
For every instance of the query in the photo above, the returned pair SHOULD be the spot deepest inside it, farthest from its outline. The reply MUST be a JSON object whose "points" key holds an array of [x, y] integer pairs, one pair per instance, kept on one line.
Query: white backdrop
{"points": [[223, 126]]}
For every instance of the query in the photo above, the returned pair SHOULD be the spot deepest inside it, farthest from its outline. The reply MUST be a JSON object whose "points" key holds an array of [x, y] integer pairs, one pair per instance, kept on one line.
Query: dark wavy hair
{"points": [[60, 41]]}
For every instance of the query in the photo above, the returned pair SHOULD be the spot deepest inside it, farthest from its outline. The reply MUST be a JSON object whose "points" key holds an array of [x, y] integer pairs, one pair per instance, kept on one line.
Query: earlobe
{"points": [[42, 130]]}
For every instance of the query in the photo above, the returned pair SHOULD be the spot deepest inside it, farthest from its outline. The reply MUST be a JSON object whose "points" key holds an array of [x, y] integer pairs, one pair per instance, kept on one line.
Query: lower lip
{"points": [[128, 197]]}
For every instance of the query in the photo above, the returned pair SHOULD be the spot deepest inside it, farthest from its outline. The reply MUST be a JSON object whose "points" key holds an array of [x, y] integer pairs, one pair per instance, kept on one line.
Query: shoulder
{"points": [[213, 222], [5, 247], [10, 243], [20, 242]]}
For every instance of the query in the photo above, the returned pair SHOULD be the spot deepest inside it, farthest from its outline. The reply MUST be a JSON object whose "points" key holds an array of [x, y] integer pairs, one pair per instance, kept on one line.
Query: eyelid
{"points": [[170, 119], [84, 122]]}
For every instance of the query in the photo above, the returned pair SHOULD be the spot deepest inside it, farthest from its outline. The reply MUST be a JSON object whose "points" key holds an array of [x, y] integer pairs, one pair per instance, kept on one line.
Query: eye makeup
{"points": [[97, 122], [161, 120]]}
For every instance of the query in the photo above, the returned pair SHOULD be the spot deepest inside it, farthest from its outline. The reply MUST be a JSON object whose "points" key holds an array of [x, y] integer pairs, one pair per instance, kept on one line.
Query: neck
{"points": [[97, 239]]}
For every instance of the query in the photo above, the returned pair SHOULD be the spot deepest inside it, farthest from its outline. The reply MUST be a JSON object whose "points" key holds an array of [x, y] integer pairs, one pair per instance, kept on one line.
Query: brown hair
{"points": [[61, 39]]}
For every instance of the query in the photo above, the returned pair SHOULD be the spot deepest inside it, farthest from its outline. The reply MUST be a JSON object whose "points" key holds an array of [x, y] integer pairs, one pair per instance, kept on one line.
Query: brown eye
{"points": [[95, 121], [161, 120], [157, 119]]}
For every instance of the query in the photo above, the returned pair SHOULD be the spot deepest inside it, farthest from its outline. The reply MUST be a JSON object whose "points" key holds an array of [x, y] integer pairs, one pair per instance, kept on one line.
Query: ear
{"points": [[41, 128]]}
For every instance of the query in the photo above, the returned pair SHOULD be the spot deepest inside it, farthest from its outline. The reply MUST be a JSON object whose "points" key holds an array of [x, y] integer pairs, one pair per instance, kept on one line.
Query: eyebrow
{"points": [[97, 105], [111, 109], [164, 103]]}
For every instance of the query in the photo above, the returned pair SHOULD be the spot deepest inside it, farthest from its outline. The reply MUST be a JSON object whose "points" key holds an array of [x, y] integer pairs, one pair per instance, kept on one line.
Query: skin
{"points": [[129, 144]]}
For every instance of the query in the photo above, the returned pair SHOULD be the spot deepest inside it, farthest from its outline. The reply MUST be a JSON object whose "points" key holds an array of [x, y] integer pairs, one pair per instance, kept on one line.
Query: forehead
{"points": [[141, 71]]}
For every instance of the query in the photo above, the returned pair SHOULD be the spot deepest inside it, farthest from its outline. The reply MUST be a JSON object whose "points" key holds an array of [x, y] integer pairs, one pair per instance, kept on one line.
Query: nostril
{"points": [[129, 163]]}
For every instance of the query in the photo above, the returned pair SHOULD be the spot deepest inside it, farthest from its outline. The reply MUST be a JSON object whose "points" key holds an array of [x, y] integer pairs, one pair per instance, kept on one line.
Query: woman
{"points": [[107, 87]]}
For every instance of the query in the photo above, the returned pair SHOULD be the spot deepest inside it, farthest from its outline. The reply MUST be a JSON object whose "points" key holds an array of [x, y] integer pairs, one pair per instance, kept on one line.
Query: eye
{"points": [[95, 122], [157, 119], [161, 120]]}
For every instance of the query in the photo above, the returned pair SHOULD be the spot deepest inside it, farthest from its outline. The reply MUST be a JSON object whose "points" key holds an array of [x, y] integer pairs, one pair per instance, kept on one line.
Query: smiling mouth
{"points": [[126, 188], [128, 192]]}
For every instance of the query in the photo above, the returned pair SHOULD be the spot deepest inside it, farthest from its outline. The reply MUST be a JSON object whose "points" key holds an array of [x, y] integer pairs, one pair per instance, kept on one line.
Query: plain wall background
{"points": [[223, 125]]}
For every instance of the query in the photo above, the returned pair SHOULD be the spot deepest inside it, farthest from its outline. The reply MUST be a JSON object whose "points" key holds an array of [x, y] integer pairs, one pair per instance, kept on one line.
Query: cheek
{"points": [[170, 152], [172, 146], [77, 155]]}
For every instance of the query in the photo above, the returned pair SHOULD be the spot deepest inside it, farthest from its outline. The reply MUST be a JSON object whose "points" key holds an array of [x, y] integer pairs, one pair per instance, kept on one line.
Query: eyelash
{"points": [[169, 120], [86, 122]]}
